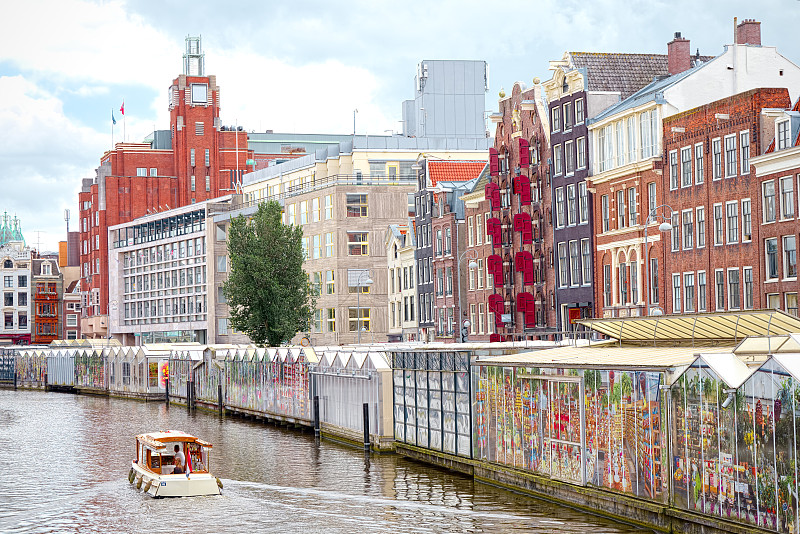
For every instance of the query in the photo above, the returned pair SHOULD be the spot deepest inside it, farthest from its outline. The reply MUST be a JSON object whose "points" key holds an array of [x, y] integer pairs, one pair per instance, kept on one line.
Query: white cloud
{"points": [[44, 155]]}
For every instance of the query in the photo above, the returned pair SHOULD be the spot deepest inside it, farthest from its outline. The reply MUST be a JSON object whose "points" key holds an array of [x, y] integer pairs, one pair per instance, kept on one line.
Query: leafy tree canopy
{"points": [[268, 292]]}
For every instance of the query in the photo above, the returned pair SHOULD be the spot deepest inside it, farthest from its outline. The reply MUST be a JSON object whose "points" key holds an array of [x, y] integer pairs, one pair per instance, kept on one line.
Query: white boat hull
{"points": [[191, 485]]}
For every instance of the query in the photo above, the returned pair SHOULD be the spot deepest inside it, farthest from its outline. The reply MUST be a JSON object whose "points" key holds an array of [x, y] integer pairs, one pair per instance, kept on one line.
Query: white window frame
{"points": [[700, 226], [747, 221], [699, 164]]}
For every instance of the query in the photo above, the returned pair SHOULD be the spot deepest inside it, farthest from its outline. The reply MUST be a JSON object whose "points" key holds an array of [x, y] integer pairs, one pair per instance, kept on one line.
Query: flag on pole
{"points": [[113, 120], [122, 108]]}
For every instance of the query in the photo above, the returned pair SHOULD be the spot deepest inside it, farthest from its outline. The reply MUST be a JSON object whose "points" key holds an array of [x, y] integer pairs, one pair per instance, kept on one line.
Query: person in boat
{"points": [[178, 467], [179, 456]]}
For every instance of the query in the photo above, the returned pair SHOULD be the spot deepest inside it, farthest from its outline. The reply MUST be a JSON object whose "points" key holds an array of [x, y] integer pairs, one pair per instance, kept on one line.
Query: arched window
{"points": [[8, 264]]}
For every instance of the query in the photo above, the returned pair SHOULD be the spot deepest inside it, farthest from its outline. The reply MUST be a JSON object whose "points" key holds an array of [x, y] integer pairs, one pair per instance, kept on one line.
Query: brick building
{"points": [[582, 86], [777, 173], [632, 176], [716, 240], [511, 218], [196, 159], [47, 292]]}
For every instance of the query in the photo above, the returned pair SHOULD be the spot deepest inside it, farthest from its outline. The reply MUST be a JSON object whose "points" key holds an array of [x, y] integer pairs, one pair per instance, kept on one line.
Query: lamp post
{"points": [[665, 226], [470, 254], [359, 284]]}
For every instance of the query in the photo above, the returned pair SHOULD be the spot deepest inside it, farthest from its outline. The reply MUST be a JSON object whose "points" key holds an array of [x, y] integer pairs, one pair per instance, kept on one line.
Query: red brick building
{"points": [[716, 242], [195, 160], [777, 173], [509, 225]]}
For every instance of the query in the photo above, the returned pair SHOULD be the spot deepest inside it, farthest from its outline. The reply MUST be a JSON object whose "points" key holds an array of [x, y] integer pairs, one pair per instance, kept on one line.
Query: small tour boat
{"points": [[171, 463]]}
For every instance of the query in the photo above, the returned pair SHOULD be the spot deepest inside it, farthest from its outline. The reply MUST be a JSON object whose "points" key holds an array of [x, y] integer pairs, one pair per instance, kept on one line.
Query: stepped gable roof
{"points": [[454, 170]]}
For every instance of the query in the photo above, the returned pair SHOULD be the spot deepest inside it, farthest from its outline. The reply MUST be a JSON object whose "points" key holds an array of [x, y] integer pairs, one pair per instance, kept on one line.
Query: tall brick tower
{"points": [[196, 159]]}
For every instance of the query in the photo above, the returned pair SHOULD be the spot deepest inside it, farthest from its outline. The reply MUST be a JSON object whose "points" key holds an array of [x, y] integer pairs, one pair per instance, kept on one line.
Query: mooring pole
{"points": [[219, 399], [166, 390], [316, 415], [366, 426], [15, 380]]}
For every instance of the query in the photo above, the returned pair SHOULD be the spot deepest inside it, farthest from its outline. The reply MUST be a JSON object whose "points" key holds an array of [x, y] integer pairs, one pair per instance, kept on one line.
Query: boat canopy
{"points": [[159, 440]]}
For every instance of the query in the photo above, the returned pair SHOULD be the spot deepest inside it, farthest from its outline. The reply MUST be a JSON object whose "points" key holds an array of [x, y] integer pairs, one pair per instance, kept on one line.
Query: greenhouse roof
{"points": [[696, 328], [726, 366], [607, 355]]}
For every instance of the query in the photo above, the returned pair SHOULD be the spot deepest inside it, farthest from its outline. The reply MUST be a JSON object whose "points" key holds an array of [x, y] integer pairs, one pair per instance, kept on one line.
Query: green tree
{"points": [[268, 292]]}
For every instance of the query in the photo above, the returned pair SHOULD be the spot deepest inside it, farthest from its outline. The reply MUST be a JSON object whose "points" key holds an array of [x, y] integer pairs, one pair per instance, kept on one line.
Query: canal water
{"points": [[64, 461]]}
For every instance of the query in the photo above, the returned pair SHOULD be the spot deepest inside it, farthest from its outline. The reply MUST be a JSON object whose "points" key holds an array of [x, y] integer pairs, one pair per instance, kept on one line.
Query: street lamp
{"points": [[359, 284], [470, 254], [665, 226]]}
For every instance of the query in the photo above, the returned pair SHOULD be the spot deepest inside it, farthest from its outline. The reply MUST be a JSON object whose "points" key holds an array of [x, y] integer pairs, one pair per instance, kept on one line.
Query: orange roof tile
{"points": [[454, 170]]}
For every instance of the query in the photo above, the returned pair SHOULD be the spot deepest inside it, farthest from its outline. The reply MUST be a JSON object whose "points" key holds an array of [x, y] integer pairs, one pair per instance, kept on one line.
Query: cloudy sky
{"points": [[300, 66]]}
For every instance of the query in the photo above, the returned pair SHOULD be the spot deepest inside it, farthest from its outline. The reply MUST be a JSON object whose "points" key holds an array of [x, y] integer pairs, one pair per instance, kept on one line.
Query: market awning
{"points": [[696, 328]]}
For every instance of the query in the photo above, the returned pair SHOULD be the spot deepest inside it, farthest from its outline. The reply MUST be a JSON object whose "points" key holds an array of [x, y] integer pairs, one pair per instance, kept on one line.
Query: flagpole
{"points": [[124, 124], [112, 129]]}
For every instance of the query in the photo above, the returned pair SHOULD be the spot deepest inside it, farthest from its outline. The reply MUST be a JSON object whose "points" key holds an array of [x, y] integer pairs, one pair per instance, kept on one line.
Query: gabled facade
{"points": [[47, 290], [15, 270], [777, 173], [402, 292], [582, 86], [513, 239]]}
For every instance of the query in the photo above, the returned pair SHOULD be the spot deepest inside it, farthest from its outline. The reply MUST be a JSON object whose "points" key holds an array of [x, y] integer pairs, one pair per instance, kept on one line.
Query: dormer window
{"points": [[46, 269], [782, 135], [8, 264]]}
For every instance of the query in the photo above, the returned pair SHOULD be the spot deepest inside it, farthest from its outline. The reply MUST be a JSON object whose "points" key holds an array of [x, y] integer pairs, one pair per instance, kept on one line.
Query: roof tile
{"points": [[454, 170]]}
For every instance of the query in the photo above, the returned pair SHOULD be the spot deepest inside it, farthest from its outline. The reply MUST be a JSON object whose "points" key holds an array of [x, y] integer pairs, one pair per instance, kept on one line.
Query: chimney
{"points": [[678, 55], [748, 32]]}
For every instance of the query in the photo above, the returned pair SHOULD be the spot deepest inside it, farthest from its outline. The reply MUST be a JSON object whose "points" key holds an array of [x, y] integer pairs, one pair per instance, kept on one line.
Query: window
{"points": [[449, 280], [583, 203], [731, 167], [579, 114], [688, 292], [716, 156], [559, 207], [651, 199], [686, 166], [356, 205], [719, 232], [605, 146], [768, 192], [557, 161], [773, 301], [330, 282], [328, 207], [357, 243], [699, 175], [748, 288], [787, 197], [22, 281], [199, 93], [448, 241], [439, 282], [222, 326], [676, 293], [771, 248], [581, 152], [673, 169], [291, 214], [574, 263], [623, 283], [734, 299], [329, 245], [791, 304], [562, 265], [191, 157], [22, 299], [359, 318], [221, 298], [8, 281], [222, 235], [789, 256], [654, 280], [567, 115], [719, 275], [648, 132], [634, 282], [631, 139], [606, 285], [153, 171], [438, 249], [478, 230], [72, 320], [222, 264], [470, 230], [569, 156], [316, 249], [556, 113], [8, 299], [744, 147], [572, 208], [732, 215], [688, 229], [586, 258], [675, 233], [633, 217], [208, 157], [620, 149], [141, 171], [783, 139], [701, 227], [315, 210], [701, 291], [331, 319], [747, 227], [480, 274], [604, 212], [621, 211]]}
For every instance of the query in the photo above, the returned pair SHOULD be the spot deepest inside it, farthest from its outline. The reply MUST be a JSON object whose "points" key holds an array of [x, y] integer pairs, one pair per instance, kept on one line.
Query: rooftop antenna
{"points": [[38, 241], [66, 218]]}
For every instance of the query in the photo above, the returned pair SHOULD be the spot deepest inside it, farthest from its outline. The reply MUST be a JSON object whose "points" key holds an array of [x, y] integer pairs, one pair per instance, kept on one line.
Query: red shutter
{"points": [[495, 338], [524, 153], [523, 263], [492, 193], [522, 187], [495, 266], [522, 224], [494, 164], [497, 306], [494, 229]]}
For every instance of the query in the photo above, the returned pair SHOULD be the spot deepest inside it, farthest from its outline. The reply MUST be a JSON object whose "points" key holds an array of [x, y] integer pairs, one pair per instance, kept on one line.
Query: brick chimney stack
{"points": [[678, 54], [748, 32]]}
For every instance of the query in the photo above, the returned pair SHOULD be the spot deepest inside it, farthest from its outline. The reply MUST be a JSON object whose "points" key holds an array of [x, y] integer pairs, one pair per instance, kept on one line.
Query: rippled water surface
{"points": [[64, 461]]}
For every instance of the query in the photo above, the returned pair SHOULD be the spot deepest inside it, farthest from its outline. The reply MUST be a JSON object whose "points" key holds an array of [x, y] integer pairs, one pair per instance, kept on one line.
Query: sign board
{"points": [[163, 373], [506, 317]]}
